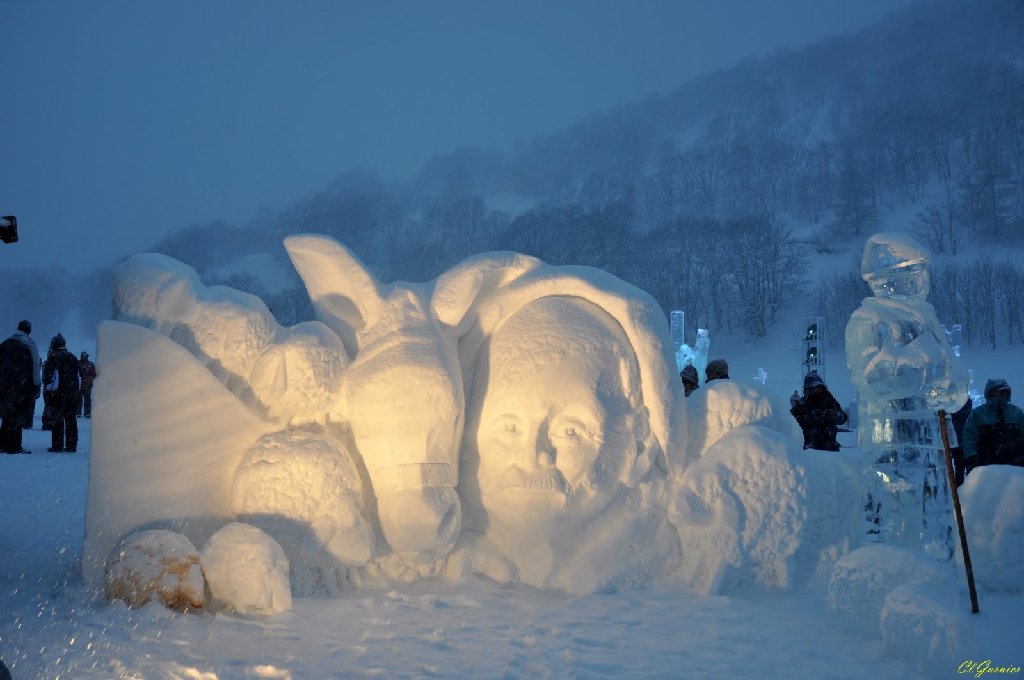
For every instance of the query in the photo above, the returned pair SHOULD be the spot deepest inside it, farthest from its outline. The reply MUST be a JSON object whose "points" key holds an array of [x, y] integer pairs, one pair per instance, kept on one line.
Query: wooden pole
{"points": [[959, 514]]}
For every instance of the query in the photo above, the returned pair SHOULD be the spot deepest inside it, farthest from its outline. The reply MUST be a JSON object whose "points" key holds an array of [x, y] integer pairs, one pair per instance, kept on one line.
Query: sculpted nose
{"points": [[536, 451]]}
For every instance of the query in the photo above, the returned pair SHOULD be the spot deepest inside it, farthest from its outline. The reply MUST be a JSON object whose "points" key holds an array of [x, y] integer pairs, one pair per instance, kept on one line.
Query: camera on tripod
{"points": [[8, 229]]}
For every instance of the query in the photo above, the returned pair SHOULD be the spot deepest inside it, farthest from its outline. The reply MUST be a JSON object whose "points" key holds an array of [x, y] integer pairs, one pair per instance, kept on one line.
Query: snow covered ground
{"points": [[52, 627]]}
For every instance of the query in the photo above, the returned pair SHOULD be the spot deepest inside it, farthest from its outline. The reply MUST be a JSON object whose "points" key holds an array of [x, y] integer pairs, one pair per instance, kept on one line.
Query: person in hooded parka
{"points": [[994, 433], [61, 382]]}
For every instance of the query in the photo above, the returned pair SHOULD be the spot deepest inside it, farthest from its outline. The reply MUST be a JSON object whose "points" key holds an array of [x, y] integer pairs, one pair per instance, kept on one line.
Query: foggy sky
{"points": [[121, 120]]}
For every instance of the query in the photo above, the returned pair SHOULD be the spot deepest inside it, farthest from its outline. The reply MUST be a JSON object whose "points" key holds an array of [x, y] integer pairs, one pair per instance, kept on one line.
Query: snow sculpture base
{"points": [[161, 456]]}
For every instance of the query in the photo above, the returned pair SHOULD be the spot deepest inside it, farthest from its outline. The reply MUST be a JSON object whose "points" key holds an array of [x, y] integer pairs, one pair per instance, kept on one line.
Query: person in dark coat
{"points": [[689, 378], [959, 421], [61, 382], [16, 392], [994, 433], [87, 371], [24, 333], [818, 413]]}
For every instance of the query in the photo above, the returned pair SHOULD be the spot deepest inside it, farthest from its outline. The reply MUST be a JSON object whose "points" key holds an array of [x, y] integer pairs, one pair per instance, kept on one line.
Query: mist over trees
{"points": [[712, 197]]}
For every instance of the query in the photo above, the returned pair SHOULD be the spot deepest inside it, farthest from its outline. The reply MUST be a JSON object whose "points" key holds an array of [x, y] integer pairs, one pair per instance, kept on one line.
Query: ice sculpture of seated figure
{"points": [[559, 448]]}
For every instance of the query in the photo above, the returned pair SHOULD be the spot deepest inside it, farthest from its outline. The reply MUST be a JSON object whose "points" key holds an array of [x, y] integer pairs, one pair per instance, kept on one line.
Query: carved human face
{"points": [[555, 425]]}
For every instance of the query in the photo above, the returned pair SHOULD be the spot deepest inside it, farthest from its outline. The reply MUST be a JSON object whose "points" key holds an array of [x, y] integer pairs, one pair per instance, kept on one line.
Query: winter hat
{"points": [[812, 379], [689, 376], [58, 342], [886, 253], [25, 326], [994, 385], [716, 369]]}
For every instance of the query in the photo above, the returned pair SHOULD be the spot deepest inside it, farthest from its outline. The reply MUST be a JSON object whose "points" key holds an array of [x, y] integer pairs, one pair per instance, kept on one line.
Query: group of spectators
{"points": [[992, 434], [64, 382]]}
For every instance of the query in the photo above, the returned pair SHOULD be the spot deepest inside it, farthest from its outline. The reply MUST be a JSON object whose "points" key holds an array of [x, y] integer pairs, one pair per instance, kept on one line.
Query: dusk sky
{"points": [[122, 120]]}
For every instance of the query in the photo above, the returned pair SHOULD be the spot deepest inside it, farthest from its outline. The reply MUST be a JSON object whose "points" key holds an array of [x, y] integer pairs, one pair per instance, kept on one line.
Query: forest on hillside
{"points": [[717, 197]]}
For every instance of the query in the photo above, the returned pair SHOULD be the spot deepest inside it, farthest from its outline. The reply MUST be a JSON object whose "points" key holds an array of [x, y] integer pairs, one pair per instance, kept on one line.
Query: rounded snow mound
{"points": [[247, 571], [992, 500], [299, 376], [304, 489], [863, 579], [742, 512], [927, 626], [156, 563], [231, 327], [721, 406], [153, 289]]}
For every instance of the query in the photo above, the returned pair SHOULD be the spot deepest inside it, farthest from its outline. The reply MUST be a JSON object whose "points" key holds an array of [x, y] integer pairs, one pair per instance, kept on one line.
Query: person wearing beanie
{"points": [[61, 382], [717, 369], [689, 378], [818, 414]]}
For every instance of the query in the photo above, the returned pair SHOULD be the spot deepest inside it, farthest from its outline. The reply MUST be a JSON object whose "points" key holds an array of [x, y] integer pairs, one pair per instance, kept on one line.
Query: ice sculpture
{"points": [[904, 371], [697, 356]]}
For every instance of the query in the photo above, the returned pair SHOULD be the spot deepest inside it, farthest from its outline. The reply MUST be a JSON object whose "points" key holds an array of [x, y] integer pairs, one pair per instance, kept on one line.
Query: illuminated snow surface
{"points": [[52, 628], [492, 474]]}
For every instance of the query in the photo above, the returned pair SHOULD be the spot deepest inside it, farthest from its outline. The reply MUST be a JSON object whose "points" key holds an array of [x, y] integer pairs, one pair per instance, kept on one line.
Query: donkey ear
{"points": [[345, 295]]}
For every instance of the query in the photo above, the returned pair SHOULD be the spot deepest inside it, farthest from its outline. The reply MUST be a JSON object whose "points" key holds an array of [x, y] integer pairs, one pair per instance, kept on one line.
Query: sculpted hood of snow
{"points": [[304, 490], [473, 298], [247, 571], [559, 460], [992, 497]]}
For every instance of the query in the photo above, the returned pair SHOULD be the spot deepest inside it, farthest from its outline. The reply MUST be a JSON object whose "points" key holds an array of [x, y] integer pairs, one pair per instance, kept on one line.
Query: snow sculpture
{"points": [[343, 439], [304, 490], [862, 579], [167, 437], [723, 405], [572, 423], [156, 563], [927, 626], [993, 506], [904, 371], [403, 392], [294, 373], [753, 512], [247, 571]]}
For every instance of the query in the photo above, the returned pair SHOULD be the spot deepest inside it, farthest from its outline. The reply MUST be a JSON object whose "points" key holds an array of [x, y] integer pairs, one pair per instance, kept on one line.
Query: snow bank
{"points": [[754, 512], [247, 571], [721, 406], [863, 579], [928, 626], [992, 500], [156, 564]]}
